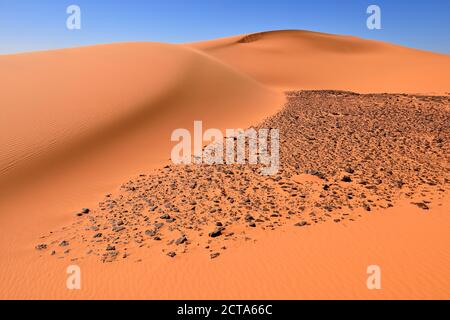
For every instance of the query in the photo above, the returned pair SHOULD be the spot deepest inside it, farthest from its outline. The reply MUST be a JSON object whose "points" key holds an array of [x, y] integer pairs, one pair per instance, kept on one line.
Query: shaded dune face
{"points": [[115, 103], [295, 59]]}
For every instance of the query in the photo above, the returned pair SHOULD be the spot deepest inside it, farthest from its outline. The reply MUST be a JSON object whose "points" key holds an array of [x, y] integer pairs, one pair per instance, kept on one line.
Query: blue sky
{"points": [[28, 25]]}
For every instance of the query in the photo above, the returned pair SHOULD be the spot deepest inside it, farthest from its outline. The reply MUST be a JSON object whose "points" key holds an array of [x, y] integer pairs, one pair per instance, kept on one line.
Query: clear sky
{"points": [[28, 25]]}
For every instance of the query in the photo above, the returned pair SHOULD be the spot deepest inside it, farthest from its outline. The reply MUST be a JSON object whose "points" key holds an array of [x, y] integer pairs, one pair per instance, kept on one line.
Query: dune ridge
{"points": [[297, 59]]}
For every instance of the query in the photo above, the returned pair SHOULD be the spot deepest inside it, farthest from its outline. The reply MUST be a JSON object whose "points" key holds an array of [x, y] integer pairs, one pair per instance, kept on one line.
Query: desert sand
{"points": [[292, 60], [90, 128]]}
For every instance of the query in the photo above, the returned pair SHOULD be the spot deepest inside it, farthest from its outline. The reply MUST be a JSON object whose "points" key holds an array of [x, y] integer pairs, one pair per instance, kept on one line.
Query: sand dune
{"points": [[308, 60], [77, 123], [73, 102]]}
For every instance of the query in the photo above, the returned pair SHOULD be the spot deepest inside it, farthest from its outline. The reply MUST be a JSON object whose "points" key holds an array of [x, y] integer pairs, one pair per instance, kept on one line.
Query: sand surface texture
{"points": [[363, 180]]}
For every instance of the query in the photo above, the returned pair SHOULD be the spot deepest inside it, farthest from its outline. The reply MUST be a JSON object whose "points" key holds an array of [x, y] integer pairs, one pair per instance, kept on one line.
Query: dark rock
{"points": [[85, 210], [97, 235], [110, 248], [315, 173], [346, 179], [301, 224], [215, 233], [171, 254], [349, 170], [249, 217], [64, 243], [41, 246], [214, 255], [422, 205], [150, 233], [275, 215], [181, 240], [118, 228]]}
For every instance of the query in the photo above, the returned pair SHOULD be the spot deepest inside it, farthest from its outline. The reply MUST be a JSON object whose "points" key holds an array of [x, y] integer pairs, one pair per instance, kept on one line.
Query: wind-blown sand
{"points": [[292, 60], [77, 123]]}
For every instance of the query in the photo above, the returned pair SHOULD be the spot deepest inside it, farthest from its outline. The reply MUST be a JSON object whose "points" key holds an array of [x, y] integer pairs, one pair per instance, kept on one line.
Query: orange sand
{"points": [[77, 122]]}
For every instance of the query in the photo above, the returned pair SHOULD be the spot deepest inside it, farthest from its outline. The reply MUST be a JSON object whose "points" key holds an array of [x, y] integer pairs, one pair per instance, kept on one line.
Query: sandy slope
{"points": [[81, 120], [328, 261], [76, 123], [309, 60]]}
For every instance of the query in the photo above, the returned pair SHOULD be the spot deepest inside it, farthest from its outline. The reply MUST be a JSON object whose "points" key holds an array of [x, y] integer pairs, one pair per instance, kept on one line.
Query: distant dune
{"points": [[296, 59], [76, 123]]}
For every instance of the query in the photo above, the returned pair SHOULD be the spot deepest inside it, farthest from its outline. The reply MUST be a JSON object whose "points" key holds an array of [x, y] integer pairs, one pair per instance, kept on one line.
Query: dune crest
{"points": [[297, 59]]}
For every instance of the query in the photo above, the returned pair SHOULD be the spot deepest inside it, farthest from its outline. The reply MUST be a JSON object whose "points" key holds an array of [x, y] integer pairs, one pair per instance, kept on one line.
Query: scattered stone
{"points": [[421, 205], [214, 255], [216, 233], [348, 137], [249, 217], [150, 233], [64, 243], [349, 170], [42, 246], [171, 254], [181, 240], [346, 179], [118, 228]]}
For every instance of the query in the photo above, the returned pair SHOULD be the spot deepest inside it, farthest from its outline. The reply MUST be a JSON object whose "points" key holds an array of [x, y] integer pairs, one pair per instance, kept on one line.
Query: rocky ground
{"points": [[342, 156]]}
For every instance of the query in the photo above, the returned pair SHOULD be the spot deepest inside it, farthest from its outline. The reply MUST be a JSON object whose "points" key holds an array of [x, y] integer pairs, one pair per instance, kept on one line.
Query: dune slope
{"points": [[77, 122], [53, 101], [295, 59]]}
